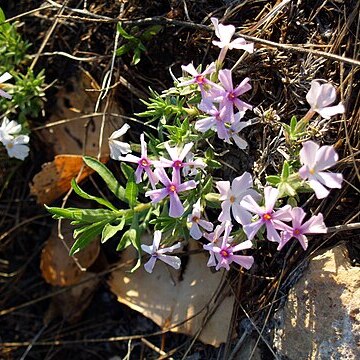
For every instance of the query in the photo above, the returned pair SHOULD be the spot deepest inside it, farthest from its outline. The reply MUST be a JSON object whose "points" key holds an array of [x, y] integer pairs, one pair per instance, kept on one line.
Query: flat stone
{"points": [[321, 318]]}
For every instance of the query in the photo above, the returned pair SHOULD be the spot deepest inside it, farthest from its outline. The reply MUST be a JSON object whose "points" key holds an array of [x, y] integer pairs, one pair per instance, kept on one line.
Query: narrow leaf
{"points": [[87, 196], [107, 176], [110, 230]]}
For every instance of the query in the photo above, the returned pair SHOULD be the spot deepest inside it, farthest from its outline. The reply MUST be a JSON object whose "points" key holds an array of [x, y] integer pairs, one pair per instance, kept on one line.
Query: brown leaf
{"points": [[55, 177], [167, 300], [57, 267], [71, 304], [80, 135]]}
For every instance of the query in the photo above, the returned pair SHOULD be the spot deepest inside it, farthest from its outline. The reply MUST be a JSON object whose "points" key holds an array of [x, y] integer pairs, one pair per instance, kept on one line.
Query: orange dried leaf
{"points": [[54, 178]]}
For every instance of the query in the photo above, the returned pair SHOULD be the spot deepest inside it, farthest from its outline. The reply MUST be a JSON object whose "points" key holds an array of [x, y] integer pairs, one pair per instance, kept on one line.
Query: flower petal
{"points": [[176, 207], [173, 261], [245, 261], [149, 266], [308, 153]]}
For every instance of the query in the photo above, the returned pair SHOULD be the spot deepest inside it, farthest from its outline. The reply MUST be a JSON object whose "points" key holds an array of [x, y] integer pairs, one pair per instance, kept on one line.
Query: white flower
{"points": [[320, 96], [3, 78], [118, 148], [16, 146], [195, 220], [9, 128], [157, 253]]}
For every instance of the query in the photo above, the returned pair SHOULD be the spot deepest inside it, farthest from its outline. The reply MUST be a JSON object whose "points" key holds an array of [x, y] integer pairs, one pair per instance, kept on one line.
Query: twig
{"points": [[166, 21]]}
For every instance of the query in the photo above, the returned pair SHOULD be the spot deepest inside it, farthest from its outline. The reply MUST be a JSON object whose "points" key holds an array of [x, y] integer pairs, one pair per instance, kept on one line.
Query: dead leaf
{"points": [[57, 267], [80, 136], [54, 178], [71, 304], [166, 300]]}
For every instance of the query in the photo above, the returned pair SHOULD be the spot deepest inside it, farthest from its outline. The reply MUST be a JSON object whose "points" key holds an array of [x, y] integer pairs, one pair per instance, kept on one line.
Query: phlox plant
{"points": [[170, 187], [21, 91]]}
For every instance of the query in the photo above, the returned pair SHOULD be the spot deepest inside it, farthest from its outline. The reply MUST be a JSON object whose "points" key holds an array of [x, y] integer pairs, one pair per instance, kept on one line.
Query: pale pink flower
{"points": [[195, 220], [234, 130], [315, 225], [216, 120], [224, 253], [157, 253], [267, 215], [144, 164], [171, 189], [225, 33], [315, 160], [320, 96], [177, 162], [3, 78], [199, 78], [215, 239], [232, 195], [192, 165], [117, 147]]}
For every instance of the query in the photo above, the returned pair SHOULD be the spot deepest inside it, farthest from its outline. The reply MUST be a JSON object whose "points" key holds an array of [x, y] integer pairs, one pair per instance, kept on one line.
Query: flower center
{"points": [[231, 96], [172, 188], [297, 232], [177, 164], [200, 79], [10, 145], [266, 217], [195, 219], [224, 253], [144, 162], [312, 171], [232, 199]]}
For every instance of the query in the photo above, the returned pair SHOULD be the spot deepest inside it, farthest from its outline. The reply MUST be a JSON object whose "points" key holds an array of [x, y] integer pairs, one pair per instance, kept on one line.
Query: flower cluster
{"points": [[245, 211]]}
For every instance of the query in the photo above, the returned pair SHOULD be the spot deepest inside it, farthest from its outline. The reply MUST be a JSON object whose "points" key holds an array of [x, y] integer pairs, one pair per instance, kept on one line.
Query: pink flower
{"points": [[315, 159], [195, 220], [215, 239], [144, 164], [191, 165], [216, 120], [157, 253], [4, 77], [225, 33], [234, 130], [199, 78], [322, 95], [177, 156], [171, 189], [267, 215], [232, 195], [224, 254], [229, 97], [315, 225]]}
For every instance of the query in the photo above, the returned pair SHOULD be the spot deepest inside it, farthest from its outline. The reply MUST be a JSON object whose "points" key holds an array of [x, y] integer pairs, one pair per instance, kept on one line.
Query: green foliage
{"points": [[26, 87], [134, 41]]}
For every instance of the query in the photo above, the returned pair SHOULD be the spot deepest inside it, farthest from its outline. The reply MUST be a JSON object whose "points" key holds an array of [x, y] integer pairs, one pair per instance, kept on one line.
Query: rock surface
{"points": [[321, 318]]}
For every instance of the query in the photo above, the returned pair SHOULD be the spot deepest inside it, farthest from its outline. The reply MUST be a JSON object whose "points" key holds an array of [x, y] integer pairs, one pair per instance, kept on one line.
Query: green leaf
{"points": [[107, 176], [127, 170], [110, 230], [87, 196], [285, 171], [208, 186], [87, 234], [293, 123], [150, 32], [124, 242], [122, 50], [214, 164], [134, 236], [123, 33], [131, 191], [84, 215], [273, 179], [137, 57]]}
